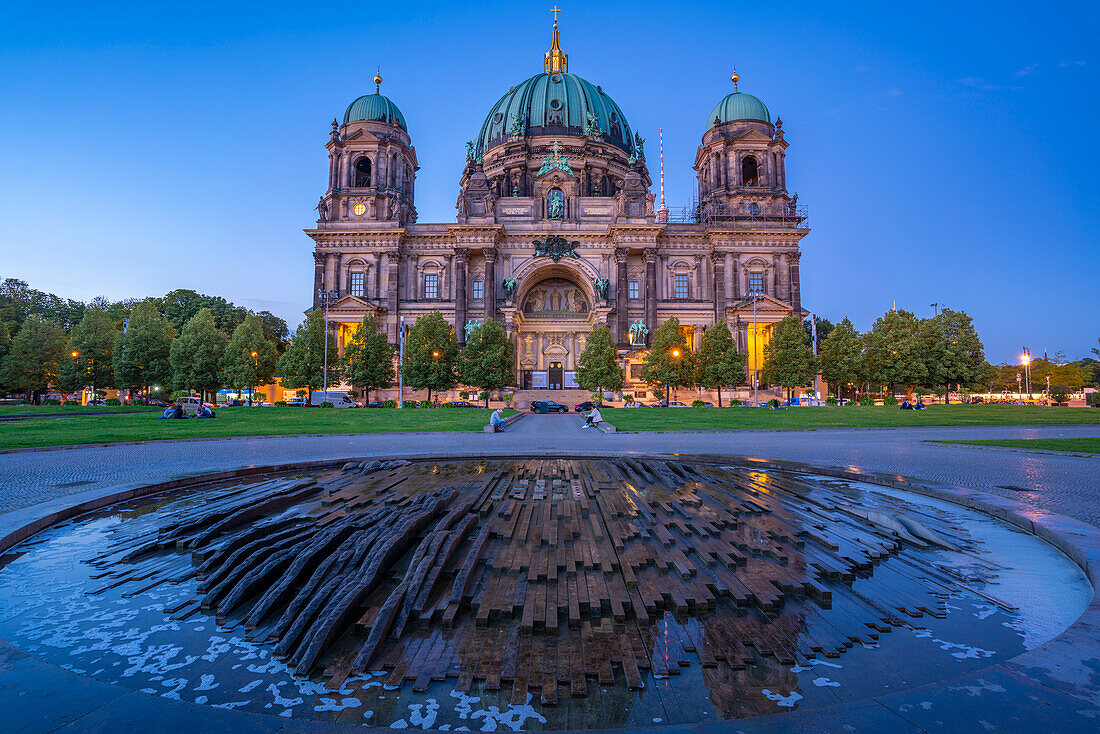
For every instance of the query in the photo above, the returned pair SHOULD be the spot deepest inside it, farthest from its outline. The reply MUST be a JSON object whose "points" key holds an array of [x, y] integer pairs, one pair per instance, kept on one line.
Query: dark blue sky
{"points": [[948, 153]]}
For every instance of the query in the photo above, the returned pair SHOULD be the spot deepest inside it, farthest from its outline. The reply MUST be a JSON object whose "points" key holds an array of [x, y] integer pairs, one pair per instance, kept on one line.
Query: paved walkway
{"points": [[1066, 484]]}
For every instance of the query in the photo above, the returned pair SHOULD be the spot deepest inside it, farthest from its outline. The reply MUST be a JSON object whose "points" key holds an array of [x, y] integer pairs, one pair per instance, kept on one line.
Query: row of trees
{"points": [[433, 361], [185, 339]]}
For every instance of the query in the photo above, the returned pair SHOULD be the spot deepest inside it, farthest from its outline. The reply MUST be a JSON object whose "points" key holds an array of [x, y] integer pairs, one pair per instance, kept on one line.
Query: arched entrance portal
{"points": [[555, 309]]}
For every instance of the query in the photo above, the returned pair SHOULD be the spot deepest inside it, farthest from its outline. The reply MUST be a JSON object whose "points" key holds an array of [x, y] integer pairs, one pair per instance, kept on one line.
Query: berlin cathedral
{"points": [[556, 229]]}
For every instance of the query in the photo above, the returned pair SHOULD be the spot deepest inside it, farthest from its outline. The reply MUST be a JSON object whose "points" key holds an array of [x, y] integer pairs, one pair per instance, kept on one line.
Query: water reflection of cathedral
{"points": [[556, 229]]}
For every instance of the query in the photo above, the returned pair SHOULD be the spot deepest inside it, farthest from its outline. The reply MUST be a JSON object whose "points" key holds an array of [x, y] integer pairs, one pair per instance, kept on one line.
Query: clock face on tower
{"points": [[360, 209]]}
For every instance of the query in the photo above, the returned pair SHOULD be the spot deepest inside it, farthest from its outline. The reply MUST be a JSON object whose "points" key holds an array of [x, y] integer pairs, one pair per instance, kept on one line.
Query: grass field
{"points": [[236, 422], [732, 419], [1078, 445], [73, 408]]}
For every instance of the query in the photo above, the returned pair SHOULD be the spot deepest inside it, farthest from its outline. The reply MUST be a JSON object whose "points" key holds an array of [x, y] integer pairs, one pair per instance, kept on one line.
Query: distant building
{"points": [[555, 229]]}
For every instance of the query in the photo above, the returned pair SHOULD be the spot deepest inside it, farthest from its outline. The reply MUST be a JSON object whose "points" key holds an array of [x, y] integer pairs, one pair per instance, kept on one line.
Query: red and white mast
{"points": [[662, 212]]}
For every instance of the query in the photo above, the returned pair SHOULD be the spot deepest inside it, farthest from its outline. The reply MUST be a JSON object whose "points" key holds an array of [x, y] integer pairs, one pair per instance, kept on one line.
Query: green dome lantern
{"points": [[738, 106], [375, 107]]}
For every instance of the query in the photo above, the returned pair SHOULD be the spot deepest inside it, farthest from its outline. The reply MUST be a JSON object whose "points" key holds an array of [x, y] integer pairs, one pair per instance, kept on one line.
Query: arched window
{"points": [[362, 172], [750, 172]]}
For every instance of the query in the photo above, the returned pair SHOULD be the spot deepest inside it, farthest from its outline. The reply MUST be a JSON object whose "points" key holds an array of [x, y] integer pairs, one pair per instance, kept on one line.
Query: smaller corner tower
{"points": [[372, 166]]}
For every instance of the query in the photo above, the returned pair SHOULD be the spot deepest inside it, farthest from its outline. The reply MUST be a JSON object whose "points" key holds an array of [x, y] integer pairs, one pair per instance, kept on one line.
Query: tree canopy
{"points": [[788, 359], [668, 363], [598, 367], [894, 351], [488, 358], [368, 358], [142, 355], [719, 363], [841, 355], [88, 361], [431, 355], [249, 358], [197, 354], [303, 363], [32, 360]]}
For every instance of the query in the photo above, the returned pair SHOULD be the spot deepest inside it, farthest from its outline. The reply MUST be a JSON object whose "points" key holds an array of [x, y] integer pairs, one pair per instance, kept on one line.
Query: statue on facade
{"points": [[518, 126], [639, 145], [555, 205], [322, 209], [509, 286], [469, 328], [592, 125], [471, 151], [556, 160], [792, 207], [638, 332], [601, 287]]}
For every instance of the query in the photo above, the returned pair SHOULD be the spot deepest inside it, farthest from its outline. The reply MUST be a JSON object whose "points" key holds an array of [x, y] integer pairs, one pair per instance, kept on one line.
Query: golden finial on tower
{"points": [[378, 83], [555, 60], [735, 77]]}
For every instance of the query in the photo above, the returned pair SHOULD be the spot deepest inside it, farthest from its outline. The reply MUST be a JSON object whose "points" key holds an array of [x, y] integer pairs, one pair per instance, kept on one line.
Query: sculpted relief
{"points": [[555, 296]]}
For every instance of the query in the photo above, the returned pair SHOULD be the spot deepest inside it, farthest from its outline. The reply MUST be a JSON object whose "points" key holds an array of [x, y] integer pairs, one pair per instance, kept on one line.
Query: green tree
{"points": [[142, 354], [197, 354], [368, 359], [488, 359], [598, 367], [431, 355], [275, 329], [88, 362], [180, 306], [32, 361], [5, 347], [668, 363], [824, 328], [788, 359], [249, 358], [303, 363], [18, 301], [961, 356], [841, 357], [719, 363], [895, 353]]}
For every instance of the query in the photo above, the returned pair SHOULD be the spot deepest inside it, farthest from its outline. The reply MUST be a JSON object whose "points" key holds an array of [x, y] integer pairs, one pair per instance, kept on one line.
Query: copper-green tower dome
{"points": [[375, 107], [738, 106], [555, 102]]}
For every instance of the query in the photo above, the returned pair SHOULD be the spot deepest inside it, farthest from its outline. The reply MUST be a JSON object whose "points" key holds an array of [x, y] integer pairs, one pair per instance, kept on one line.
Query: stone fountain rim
{"points": [[1078, 540]]}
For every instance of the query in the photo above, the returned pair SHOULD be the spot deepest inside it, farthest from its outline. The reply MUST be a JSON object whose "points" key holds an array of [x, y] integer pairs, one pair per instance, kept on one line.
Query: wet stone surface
{"points": [[545, 594]]}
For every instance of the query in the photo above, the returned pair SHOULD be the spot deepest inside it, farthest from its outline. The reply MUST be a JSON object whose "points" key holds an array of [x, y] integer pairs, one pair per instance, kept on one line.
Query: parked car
{"points": [[189, 403], [548, 406], [338, 399], [463, 404], [296, 403], [586, 405], [376, 404]]}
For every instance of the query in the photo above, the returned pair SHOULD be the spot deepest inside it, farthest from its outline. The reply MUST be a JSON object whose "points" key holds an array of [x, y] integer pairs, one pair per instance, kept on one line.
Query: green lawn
{"points": [[276, 421], [732, 419], [1080, 445], [72, 408]]}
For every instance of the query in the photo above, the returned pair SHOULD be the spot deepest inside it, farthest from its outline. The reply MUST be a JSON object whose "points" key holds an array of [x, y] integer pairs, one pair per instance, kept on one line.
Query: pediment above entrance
{"points": [[764, 304]]}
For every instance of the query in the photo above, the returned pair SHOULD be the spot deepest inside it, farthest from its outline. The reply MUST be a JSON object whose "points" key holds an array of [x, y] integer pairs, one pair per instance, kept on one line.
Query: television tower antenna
{"points": [[662, 212]]}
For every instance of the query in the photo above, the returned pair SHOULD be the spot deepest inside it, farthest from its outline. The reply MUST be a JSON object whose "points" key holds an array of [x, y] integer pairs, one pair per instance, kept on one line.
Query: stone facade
{"points": [[556, 232]]}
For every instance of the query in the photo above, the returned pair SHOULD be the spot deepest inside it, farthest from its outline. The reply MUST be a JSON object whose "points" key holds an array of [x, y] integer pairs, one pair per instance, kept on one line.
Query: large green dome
{"points": [[555, 103], [738, 106], [374, 108]]}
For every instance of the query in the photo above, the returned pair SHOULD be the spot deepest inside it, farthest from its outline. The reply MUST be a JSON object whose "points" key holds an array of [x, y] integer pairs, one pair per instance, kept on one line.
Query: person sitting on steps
{"points": [[496, 420], [593, 419]]}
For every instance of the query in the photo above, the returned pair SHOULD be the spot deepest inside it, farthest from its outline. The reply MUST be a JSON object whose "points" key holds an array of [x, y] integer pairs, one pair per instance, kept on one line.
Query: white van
{"points": [[338, 399], [191, 405]]}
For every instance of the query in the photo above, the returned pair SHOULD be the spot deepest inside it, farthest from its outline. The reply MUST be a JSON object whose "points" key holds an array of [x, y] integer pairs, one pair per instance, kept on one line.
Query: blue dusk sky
{"points": [[947, 153]]}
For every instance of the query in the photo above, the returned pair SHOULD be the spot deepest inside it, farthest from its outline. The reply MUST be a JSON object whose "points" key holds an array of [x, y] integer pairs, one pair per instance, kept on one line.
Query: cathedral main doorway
{"points": [[557, 374]]}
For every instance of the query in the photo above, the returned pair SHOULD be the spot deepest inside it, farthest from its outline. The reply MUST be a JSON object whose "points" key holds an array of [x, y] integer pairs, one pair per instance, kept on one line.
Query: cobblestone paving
{"points": [[1065, 484]]}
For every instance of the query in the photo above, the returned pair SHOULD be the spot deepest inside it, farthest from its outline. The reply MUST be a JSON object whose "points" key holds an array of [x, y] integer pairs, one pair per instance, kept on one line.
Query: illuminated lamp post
{"points": [[326, 298], [255, 369], [675, 354], [74, 354], [1026, 358]]}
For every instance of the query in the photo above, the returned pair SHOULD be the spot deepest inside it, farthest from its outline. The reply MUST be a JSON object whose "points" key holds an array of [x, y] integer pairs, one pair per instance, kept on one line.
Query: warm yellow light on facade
{"points": [[360, 209]]}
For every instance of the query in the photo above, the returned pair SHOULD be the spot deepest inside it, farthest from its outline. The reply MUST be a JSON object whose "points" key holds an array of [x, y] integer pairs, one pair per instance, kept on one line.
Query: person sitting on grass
{"points": [[496, 420], [918, 405], [593, 419], [173, 411], [205, 412], [905, 405]]}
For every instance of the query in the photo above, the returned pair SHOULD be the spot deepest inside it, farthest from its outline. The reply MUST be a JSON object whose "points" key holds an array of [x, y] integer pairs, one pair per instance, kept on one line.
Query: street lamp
{"points": [[255, 369], [675, 353], [755, 337], [326, 298], [1026, 358]]}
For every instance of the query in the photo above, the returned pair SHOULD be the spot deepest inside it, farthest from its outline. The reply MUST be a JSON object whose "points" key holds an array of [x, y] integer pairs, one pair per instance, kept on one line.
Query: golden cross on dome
{"points": [[555, 11]]}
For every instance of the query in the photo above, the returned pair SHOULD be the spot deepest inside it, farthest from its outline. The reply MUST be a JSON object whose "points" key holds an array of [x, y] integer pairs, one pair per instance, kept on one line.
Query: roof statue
{"points": [[555, 161], [592, 125]]}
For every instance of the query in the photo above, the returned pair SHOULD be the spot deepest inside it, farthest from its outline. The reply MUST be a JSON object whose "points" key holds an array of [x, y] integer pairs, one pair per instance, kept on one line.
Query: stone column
{"points": [[393, 273], [784, 278], [650, 292], [333, 165], [342, 181], [699, 294], [796, 289], [622, 296], [338, 275], [318, 277], [781, 170], [460, 295], [490, 284], [718, 260]]}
